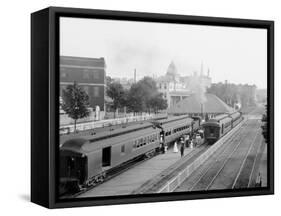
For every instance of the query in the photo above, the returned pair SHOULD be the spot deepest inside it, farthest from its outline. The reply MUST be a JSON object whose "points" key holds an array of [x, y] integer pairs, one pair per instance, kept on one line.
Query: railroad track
{"points": [[207, 177], [242, 179], [153, 185]]}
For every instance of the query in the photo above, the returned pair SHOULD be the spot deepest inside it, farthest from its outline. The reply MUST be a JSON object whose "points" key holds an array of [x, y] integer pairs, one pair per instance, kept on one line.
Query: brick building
{"points": [[89, 73]]}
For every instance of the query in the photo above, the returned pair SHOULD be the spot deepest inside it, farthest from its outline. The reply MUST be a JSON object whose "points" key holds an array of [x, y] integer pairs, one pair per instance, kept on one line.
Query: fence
{"points": [[104, 123], [177, 180]]}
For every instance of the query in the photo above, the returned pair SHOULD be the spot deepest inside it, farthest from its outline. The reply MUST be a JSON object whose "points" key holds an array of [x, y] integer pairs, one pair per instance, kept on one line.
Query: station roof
{"points": [[212, 105]]}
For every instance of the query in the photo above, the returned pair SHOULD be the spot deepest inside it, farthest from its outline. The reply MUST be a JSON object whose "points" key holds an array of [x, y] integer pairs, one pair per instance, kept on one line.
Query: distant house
{"points": [[170, 86], [175, 87]]}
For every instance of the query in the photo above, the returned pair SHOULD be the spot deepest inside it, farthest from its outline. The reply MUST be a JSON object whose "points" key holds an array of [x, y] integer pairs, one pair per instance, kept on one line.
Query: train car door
{"points": [[106, 156]]}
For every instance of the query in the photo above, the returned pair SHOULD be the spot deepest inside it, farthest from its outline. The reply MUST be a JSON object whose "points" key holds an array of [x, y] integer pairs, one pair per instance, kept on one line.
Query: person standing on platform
{"points": [[175, 150], [182, 147], [162, 145], [187, 141]]}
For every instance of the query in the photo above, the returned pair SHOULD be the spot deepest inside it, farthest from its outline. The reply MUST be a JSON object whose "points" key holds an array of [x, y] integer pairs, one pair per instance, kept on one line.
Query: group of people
{"points": [[189, 142], [186, 141]]}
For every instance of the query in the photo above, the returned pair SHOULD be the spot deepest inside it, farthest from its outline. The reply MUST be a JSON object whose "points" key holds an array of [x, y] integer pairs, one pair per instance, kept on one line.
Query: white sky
{"points": [[236, 54]]}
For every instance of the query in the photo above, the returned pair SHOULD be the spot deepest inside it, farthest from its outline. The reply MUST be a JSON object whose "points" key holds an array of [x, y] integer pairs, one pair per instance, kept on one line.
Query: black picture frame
{"points": [[45, 104]]}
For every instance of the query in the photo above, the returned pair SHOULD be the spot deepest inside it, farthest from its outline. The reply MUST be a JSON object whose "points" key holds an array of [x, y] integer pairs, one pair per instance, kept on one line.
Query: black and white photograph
{"points": [[160, 108], [140, 107]]}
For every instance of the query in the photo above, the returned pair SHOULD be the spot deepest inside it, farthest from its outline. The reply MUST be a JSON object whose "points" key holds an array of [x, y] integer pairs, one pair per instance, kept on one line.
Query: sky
{"points": [[238, 55]]}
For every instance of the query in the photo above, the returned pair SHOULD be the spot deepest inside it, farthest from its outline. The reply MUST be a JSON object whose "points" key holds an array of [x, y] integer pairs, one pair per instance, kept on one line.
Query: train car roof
{"points": [[86, 146], [177, 123], [117, 130], [211, 122], [172, 119], [220, 117], [120, 134], [235, 114], [217, 120], [74, 145], [226, 119]]}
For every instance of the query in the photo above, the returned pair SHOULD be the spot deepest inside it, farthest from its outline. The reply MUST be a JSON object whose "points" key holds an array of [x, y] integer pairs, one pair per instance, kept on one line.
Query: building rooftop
{"points": [[212, 105], [82, 61]]}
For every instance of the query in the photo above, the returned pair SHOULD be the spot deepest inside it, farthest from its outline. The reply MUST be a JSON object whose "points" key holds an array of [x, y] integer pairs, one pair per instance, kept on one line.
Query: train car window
{"points": [[212, 130], [123, 149]]}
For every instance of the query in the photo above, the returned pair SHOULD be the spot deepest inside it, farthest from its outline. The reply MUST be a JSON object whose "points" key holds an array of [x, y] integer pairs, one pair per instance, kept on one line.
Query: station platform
{"points": [[130, 180]]}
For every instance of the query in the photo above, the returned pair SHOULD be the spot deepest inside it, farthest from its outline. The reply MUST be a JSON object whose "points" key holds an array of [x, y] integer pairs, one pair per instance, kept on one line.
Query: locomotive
{"points": [[218, 126], [85, 161]]}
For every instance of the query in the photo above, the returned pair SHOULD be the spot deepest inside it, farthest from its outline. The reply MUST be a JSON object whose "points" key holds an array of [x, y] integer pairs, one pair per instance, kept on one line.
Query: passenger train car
{"points": [[218, 126], [85, 161]]}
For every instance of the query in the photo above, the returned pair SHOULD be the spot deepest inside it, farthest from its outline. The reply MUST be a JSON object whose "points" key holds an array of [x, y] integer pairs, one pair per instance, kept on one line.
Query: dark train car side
{"points": [[217, 127], [87, 161]]}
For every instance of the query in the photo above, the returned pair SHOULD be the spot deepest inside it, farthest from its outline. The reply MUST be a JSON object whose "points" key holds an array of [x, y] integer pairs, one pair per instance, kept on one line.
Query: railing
{"points": [[176, 181]]}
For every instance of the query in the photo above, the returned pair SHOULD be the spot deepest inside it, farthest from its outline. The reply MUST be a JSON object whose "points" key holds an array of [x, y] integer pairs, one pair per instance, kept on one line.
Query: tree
{"points": [[265, 125], [136, 99], [141, 94], [117, 93], [75, 102], [157, 102], [108, 80], [232, 93]]}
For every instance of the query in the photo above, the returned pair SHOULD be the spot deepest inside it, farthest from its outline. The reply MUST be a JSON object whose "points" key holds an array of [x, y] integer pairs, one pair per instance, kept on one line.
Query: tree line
{"points": [[142, 96], [232, 94]]}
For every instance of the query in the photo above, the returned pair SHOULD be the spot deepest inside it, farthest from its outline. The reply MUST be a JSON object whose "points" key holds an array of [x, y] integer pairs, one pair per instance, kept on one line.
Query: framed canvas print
{"points": [[138, 107]]}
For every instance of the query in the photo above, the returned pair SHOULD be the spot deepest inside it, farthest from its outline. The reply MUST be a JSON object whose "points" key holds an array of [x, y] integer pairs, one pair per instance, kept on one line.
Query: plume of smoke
{"points": [[127, 55], [238, 104], [198, 87]]}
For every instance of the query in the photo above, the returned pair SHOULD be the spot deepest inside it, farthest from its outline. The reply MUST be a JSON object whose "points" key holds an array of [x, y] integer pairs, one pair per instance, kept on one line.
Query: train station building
{"points": [[211, 106]]}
